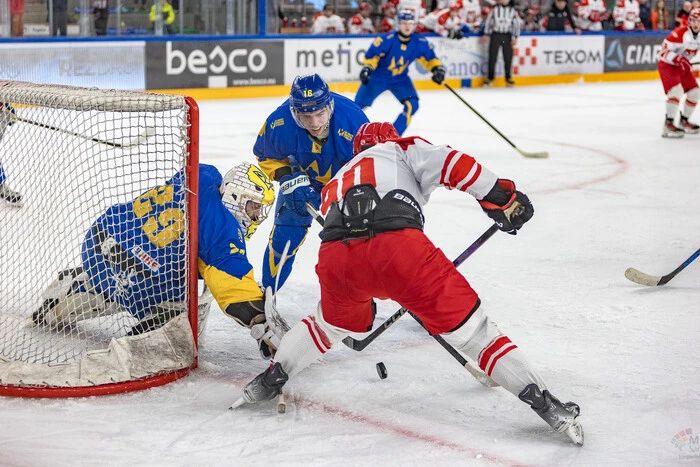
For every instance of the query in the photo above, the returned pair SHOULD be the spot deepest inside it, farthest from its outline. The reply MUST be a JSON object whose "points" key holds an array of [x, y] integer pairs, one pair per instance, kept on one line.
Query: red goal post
{"points": [[73, 154]]}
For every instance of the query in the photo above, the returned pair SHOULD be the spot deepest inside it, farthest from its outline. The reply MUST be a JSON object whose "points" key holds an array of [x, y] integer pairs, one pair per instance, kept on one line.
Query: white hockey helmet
{"points": [[248, 194]]}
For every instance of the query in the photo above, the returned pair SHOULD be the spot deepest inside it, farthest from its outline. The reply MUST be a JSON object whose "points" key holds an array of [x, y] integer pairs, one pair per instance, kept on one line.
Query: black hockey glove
{"points": [[456, 34], [364, 74], [509, 208], [438, 74]]}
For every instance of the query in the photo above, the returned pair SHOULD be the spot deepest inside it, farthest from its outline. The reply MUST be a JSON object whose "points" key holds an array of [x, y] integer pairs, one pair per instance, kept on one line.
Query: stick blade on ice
{"points": [[534, 155], [641, 278]]}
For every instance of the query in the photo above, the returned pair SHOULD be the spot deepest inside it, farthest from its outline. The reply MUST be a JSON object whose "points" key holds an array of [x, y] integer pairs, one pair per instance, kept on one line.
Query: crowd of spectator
{"points": [[454, 18]]}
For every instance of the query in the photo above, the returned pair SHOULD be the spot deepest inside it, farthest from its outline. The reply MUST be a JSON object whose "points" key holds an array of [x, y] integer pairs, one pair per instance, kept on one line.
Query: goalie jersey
{"points": [[135, 253]]}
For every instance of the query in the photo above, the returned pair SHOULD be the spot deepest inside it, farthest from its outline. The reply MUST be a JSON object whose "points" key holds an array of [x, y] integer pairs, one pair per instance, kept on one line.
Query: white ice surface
{"points": [[613, 194]]}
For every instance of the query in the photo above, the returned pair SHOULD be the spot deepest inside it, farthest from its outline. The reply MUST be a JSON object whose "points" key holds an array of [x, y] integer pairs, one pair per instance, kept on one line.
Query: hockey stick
{"points": [[136, 141], [532, 155], [480, 376], [646, 279]]}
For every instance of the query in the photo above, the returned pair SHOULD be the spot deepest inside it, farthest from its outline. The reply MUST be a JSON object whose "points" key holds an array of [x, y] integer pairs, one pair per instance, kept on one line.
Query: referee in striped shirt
{"points": [[503, 25]]}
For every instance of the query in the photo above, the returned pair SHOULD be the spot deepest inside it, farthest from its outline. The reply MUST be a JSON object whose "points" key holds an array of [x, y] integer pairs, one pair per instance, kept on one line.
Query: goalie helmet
{"points": [[243, 184], [373, 133], [310, 94]]}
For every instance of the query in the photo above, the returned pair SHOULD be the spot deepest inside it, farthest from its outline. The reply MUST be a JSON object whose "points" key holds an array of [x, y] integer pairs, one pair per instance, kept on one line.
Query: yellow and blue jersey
{"points": [[390, 57], [281, 142], [135, 252]]}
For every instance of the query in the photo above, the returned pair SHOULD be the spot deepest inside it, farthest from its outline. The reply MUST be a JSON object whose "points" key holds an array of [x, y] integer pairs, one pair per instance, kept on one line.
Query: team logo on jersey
{"points": [[276, 123], [140, 254], [235, 249]]}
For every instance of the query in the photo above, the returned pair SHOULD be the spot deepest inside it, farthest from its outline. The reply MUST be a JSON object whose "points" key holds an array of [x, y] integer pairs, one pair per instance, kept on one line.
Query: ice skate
{"points": [[509, 83], [563, 417], [671, 131], [688, 127], [11, 197], [267, 385], [488, 83]]}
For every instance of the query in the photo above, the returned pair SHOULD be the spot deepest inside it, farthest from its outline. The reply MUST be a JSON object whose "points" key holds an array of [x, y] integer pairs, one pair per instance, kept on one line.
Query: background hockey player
{"points": [[327, 22], [302, 145], [361, 23], [7, 195], [134, 256], [471, 16], [446, 22], [362, 256], [626, 16], [389, 17], [591, 14], [386, 68], [677, 76]]}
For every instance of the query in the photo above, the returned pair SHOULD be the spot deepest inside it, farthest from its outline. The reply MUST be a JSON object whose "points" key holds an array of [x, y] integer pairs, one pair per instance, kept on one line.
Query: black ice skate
{"points": [[560, 416], [690, 128], [12, 197], [671, 131], [266, 385]]}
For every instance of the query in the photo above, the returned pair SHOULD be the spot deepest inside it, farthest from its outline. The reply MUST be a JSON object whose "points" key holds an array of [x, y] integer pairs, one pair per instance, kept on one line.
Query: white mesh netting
{"points": [[98, 241]]}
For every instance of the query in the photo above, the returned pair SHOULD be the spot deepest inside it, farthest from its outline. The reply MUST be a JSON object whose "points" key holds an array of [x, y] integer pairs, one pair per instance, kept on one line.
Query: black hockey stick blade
{"points": [[642, 278]]}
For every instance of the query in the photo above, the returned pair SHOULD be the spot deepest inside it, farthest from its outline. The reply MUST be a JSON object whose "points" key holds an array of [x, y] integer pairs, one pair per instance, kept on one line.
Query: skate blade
{"points": [[672, 135], [241, 401], [575, 433]]}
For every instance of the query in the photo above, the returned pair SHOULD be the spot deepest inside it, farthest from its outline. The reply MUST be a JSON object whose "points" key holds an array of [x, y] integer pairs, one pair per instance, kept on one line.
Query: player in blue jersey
{"points": [[302, 145], [386, 68], [134, 255], [7, 195]]}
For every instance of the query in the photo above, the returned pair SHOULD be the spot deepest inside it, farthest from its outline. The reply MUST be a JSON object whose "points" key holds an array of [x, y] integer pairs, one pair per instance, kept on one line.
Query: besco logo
{"points": [[615, 57], [216, 61]]}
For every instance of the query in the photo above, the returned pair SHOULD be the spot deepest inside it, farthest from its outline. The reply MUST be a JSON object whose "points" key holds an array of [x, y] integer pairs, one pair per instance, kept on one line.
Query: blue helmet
{"points": [[309, 94], [407, 15]]}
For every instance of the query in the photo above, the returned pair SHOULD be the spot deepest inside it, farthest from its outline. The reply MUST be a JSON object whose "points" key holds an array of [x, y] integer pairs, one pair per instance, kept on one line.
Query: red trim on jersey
{"points": [[448, 161], [672, 100], [461, 170], [677, 34], [690, 103], [408, 141]]}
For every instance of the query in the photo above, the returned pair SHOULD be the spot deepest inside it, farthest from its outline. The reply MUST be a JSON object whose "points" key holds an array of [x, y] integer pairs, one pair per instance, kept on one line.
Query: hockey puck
{"points": [[381, 370]]}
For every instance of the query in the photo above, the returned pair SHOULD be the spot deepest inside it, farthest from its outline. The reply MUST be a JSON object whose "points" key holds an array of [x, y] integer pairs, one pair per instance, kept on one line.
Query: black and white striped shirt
{"points": [[504, 20]]}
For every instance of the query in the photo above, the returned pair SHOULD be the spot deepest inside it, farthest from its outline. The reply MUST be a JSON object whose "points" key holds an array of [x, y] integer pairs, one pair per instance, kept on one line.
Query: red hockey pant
{"points": [[403, 266], [672, 75]]}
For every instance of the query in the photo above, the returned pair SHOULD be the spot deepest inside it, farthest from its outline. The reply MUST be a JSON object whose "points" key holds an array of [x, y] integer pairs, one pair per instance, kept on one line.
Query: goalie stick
{"points": [[135, 141], [480, 376], [531, 155], [647, 279]]}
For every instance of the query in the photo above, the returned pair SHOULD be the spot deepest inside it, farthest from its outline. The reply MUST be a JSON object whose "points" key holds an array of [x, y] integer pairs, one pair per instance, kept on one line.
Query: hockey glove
{"points": [[456, 34], [509, 208], [605, 16], [640, 27], [594, 17], [438, 74], [364, 74], [683, 63], [297, 190]]}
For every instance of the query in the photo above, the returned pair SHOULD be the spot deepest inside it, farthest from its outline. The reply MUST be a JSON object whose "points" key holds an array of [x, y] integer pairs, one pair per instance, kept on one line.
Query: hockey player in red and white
{"points": [[361, 23], [626, 16], [373, 209], [389, 19], [677, 75], [327, 22], [447, 22], [591, 14], [471, 15]]}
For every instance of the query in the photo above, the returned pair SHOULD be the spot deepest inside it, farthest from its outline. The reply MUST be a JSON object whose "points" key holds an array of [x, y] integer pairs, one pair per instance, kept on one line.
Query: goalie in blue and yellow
{"points": [[302, 145], [134, 256], [386, 68]]}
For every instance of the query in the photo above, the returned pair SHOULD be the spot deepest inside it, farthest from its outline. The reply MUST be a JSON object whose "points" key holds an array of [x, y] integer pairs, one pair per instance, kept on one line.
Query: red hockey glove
{"points": [[509, 208], [605, 16], [683, 63], [639, 27], [595, 17]]}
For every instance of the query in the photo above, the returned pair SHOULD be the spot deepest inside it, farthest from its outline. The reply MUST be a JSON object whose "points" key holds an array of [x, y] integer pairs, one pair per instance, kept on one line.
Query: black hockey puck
{"points": [[381, 370]]}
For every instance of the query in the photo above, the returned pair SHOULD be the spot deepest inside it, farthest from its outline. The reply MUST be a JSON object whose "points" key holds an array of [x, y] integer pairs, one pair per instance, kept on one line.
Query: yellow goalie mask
{"points": [[248, 194]]}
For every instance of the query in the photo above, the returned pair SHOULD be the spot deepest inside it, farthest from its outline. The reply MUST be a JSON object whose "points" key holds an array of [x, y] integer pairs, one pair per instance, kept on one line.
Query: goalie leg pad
{"points": [[481, 340]]}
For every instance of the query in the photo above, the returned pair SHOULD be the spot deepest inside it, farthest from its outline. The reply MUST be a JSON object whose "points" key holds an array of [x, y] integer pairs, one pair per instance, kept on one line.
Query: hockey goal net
{"points": [[86, 308]]}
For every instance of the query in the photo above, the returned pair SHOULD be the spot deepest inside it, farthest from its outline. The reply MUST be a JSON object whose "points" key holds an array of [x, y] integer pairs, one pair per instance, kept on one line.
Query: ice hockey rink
{"points": [[613, 195]]}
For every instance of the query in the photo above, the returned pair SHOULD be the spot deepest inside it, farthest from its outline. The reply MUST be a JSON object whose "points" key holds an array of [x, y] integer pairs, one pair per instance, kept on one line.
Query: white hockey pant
{"points": [[481, 340], [306, 342]]}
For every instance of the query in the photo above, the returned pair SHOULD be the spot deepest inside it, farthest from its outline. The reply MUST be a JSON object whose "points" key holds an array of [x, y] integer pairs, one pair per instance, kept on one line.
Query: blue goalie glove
{"points": [[297, 190]]}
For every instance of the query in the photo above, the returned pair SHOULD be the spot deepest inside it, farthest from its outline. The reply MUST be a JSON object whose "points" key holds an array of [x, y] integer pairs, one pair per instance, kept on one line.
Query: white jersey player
{"points": [[626, 16], [445, 22], [591, 14], [327, 22], [373, 209], [361, 23], [677, 77]]}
